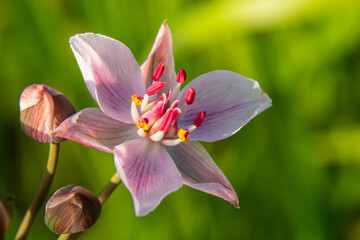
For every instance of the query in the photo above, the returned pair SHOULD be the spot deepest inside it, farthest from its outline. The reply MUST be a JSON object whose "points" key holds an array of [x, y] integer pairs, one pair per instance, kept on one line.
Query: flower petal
{"points": [[230, 100], [199, 171], [93, 128], [110, 71], [148, 171], [162, 51]]}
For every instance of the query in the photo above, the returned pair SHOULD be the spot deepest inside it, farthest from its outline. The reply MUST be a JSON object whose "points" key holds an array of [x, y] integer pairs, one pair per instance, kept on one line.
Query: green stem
{"points": [[109, 188], [41, 193], [104, 195]]}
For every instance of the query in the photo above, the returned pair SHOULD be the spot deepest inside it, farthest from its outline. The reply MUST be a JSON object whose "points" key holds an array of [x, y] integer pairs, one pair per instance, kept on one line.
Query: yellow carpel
{"points": [[183, 134], [137, 99]]}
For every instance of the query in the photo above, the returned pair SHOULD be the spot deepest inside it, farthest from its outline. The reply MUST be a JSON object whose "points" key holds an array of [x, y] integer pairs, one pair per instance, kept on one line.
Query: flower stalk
{"points": [[41, 193], [103, 196]]}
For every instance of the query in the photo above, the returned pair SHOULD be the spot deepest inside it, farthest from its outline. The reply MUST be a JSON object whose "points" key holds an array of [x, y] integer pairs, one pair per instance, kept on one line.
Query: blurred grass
{"points": [[295, 167]]}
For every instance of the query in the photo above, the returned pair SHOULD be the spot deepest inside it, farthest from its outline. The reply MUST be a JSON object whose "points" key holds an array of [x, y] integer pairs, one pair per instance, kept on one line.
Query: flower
{"points": [[71, 209], [42, 109], [151, 126]]}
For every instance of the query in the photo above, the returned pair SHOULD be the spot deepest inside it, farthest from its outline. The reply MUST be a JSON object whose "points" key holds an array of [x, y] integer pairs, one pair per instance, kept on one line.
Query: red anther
{"points": [[183, 134], [181, 76], [155, 88], [158, 72], [190, 96], [199, 118]]}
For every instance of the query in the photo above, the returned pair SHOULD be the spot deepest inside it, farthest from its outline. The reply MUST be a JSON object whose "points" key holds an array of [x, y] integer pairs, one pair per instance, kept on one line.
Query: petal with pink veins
{"points": [[111, 73], [229, 99], [148, 171], [93, 128], [162, 51], [199, 171]]}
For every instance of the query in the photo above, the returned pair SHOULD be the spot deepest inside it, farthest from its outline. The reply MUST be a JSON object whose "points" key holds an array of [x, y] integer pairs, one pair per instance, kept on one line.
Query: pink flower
{"points": [[150, 125]]}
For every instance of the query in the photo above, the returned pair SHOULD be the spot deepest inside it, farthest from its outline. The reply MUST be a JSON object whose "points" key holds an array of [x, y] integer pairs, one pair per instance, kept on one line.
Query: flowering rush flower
{"points": [[150, 125]]}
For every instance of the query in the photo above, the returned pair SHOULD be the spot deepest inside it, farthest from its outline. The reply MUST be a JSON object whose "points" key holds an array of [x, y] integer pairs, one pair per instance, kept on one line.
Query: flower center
{"points": [[158, 118]]}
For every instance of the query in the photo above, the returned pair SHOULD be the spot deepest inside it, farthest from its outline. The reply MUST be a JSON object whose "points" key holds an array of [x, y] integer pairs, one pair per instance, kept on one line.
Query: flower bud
{"points": [[5, 214], [71, 209], [42, 109]]}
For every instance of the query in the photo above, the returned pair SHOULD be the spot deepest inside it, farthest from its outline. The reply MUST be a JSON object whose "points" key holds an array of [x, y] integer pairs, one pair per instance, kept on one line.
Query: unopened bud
{"points": [[42, 109], [158, 72], [181, 76], [190, 96], [5, 214], [71, 209]]}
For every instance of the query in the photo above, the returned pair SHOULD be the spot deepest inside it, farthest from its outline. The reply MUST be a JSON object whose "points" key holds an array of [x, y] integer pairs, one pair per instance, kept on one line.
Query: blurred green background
{"points": [[295, 167]]}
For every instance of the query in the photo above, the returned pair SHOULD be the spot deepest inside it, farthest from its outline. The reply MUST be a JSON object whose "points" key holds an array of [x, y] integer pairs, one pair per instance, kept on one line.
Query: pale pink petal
{"points": [[148, 171], [93, 128], [162, 51], [199, 171], [110, 71], [230, 100]]}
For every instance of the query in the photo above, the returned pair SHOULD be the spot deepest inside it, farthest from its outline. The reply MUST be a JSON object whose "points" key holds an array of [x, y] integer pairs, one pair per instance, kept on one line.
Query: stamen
{"points": [[183, 134], [197, 122], [134, 112], [143, 123], [181, 76], [137, 99], [155, 88], [199, 118], [158, 72], [189, 96]]}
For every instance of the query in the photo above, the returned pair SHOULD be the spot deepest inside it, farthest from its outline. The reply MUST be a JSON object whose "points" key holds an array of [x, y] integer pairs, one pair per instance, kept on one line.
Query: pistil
{"points": [[158, 119]]}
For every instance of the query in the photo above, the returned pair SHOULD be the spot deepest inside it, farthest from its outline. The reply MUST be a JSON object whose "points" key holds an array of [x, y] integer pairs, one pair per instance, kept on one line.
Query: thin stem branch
{"points": [[41, 193], [109, 188], [103, 196]]}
